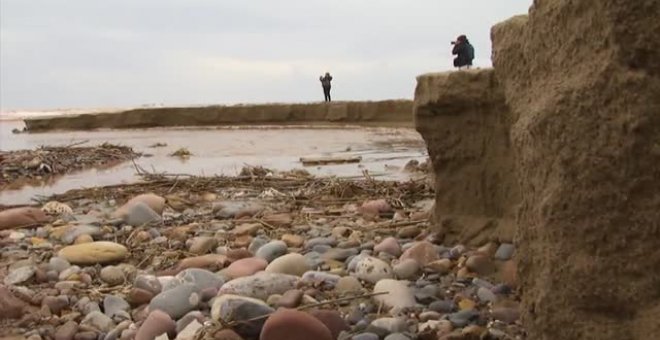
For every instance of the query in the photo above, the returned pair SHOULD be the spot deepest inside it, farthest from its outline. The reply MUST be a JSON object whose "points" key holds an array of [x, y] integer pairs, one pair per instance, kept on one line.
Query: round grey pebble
{"points": [[504, 252], [366, 336], [397, 336], [442, 306]]}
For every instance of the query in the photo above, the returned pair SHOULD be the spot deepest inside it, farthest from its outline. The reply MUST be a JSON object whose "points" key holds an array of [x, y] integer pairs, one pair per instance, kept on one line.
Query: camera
{"points": [[453, 43]]}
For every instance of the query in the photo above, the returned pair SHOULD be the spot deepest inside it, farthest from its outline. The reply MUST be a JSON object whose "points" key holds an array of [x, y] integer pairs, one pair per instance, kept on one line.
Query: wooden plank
{"points": [[325, 160]]}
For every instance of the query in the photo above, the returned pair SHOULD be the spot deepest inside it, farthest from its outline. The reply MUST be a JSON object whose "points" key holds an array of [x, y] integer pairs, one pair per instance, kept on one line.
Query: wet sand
{"points": [[222, 151]]}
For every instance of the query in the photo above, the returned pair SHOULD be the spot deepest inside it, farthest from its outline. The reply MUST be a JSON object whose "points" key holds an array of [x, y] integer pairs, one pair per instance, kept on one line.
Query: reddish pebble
{"points": [[138, 297], [422, 252], [226, 334], [156, 324], [245, 267], [289, 324], [331, 319]]}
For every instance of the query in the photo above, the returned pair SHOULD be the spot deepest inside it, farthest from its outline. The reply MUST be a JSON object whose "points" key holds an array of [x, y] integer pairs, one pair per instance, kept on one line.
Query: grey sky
{"points": [[121, 53]]}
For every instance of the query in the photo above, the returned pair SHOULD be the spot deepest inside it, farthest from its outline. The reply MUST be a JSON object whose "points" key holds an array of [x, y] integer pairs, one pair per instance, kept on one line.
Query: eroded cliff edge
{"points": [[386, 112], [465, 122], [580, 89]]}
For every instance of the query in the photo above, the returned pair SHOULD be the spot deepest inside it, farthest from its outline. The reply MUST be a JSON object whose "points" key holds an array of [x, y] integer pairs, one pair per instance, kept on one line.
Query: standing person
{"points": [[325, 82], [464, 52]]}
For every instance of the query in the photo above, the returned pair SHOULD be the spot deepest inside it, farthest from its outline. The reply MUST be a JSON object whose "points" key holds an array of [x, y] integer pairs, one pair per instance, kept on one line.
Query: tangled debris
{"points": [[181, 153], [55, 160]]}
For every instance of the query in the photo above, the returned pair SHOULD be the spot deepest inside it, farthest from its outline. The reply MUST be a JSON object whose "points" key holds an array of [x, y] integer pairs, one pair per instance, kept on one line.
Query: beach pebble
{"points": [[409, 232], [260, 285], [230, 308], [20, 275], [391, 325], [157, 323], [280, 324], [290, 299], [348, 284], [149, 283], [188, 333], [292, 264], [245, 267], [398, 297], [176, 302], [293, 241], [202, 245], [98, 321], [406, 269], [112, 275], [202, 279], [505, 314], [139, 214], [504, 252], [486, 295], [271, 250], [115, 305], [372, 270], [66, 331], [74, 233], [332, 320], [423, 252], [397, 336], [58, 264], [92, 253], [365, 336], [389, 245], [479, 264]]}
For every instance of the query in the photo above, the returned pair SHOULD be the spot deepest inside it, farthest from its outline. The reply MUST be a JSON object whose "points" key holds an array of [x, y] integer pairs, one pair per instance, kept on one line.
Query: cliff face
{"points": [[465, 122], [564, 135], [379, 112], [583, 80]]}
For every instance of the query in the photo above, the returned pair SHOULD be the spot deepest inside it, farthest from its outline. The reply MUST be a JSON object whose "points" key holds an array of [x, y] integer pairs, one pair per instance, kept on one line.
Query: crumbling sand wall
{"points": [[574, 105], [387, 112], [465, 122], [583, 80]]}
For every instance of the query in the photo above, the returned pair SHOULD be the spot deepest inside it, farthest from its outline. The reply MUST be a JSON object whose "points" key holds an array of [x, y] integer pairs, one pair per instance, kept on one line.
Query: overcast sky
{"points": [[123, 53]]}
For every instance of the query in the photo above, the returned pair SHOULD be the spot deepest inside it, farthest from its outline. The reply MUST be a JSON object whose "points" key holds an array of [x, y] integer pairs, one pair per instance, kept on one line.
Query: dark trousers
{"points": [[326, 93]]}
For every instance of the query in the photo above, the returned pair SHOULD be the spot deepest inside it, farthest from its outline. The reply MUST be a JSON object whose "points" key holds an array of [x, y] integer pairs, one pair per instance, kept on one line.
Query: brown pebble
{"points": [[423, 252], [88, 335], [55, 304], [156, 324], [507, 315], [237, 254], [293, 241], [290, 299], [84, 238], [227, 334], [138, 297], [331, 319], [409, 232], [479, 264], [67, 331], [280, 324], [242, 241]]}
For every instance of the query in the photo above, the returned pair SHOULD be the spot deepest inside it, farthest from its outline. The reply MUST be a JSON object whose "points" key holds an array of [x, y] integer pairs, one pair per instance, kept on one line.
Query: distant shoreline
{"points": [[374, 113]]}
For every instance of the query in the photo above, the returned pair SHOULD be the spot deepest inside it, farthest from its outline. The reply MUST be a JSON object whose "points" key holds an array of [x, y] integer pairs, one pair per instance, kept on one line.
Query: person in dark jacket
{"points": [[464, 52], [325, 82]]}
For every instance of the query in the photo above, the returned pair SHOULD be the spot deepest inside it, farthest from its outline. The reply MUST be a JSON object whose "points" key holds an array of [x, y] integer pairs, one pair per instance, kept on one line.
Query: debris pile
{"points": [[19, 166]]}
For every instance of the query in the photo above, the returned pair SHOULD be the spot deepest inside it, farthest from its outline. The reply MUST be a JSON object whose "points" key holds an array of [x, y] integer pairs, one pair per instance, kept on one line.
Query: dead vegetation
{"points": [[47, 161]]}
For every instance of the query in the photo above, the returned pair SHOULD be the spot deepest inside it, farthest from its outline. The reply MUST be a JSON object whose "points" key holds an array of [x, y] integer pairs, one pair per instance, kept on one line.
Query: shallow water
{"points": [[222, 151]]}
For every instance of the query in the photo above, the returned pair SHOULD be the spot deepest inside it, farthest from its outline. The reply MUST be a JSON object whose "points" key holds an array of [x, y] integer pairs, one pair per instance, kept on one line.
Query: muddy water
{"points": [[223, 151]]}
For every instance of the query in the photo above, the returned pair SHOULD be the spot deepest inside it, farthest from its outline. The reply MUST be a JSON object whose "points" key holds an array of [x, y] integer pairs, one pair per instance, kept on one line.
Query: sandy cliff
{"points": [[465, 122], [564, 135], [388, 112], [583, 80]]}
